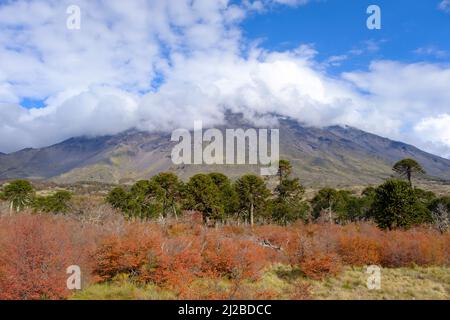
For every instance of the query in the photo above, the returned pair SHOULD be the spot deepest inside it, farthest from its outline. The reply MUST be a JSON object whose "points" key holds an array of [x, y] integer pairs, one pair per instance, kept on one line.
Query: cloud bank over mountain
{"points": [[160, 65]]}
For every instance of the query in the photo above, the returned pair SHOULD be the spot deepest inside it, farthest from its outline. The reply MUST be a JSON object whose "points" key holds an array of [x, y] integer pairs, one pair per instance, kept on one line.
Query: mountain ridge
{"points": [[331, 156]]}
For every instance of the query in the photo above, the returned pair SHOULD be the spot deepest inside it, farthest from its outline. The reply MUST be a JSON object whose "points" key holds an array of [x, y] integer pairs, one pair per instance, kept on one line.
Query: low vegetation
{"points": [[187, 260]]}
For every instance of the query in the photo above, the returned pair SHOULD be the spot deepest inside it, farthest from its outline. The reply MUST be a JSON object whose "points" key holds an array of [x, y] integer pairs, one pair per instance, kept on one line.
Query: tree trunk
{"points": [[408, 174], [329, 212], [174, 211], [251, 214]]}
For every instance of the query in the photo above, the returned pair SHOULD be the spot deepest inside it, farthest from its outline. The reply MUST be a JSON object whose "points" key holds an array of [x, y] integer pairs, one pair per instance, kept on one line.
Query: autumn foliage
{"points": [[191, 259], [35, 253]]}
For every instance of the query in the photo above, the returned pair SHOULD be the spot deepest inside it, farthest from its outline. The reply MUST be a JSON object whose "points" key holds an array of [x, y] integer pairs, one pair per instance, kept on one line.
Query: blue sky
{"points": [[163, 64], [337, 27]]}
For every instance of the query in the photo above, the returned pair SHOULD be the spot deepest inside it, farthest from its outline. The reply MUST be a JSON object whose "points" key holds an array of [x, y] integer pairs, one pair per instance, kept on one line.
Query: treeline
{"points": [[394, 204], [21, 195]]}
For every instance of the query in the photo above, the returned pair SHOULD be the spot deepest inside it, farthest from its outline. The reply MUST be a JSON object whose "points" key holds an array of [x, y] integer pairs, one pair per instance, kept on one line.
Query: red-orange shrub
{"points": [[360, 246], [135, 252], [320, 265], [35, 252], [178, 264], [147, 254], [421, 247], [234, 258]]}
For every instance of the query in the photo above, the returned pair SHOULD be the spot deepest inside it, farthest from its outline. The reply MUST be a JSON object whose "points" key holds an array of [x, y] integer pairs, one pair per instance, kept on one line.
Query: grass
{"points": [[396, 284], [122, 289], [416, 283]]}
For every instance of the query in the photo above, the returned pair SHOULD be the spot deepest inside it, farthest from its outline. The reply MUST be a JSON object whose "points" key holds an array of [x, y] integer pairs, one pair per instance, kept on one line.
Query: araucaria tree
{"points": [[119, 198], [408, 167], [396, 206], [19, 193], [59, 202], [284, 170], [202, 194], [169, 189], [288, 206], [253, 195], [229, 197]]}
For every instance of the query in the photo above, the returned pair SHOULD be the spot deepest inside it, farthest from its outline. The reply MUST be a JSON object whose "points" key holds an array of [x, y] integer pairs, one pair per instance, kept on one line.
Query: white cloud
{"points": [[432, 51], [435, 131], [98, 80], [404, 94]]}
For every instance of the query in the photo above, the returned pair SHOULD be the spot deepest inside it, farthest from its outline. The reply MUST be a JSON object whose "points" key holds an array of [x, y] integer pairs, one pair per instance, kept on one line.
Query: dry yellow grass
{"points": [[403, 283], [396, 284]]}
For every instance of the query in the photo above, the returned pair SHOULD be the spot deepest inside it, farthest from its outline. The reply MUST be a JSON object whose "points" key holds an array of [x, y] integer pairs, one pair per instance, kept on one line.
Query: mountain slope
{"points": [[332, 156]]}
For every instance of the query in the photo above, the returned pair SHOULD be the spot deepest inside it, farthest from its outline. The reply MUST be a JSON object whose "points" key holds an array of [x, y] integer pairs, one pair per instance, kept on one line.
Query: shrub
{"points": [[35, 253], [234, 258], [144, 254], [415, 247], [320, 265], [178, 264], [359, 250], [135, 252]]}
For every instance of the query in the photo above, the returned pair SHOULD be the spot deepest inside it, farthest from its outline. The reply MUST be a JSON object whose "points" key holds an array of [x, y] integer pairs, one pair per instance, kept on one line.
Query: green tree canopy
{"points": [[284, 169], [119, 198], [407, 167], [202, 194], [146, 199], [288, 205], [290, 190], [332, 202], [396, 206], [166, 187], [253, 195], [59, 202], [229, 197], [19, 193], [442, 201]]}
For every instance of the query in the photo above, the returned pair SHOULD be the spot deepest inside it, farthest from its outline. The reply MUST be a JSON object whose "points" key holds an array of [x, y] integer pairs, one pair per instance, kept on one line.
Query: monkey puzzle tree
{"points": [[143, 200], [407, 167], [19, 193], [253, 194], [332, 202], [396, 206], [56, 203], [203, 195], [284, 169], [229, 196], [288, 205], [119, 198], [169, 191]]}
